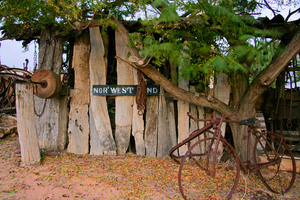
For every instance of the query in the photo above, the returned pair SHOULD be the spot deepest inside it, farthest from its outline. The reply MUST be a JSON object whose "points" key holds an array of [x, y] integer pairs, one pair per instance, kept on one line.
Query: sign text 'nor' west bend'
{"points": [[122, 90]]}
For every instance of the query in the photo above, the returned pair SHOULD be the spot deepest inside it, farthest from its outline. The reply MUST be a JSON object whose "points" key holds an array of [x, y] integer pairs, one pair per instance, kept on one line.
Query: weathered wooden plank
{"points": [[171, 110], [164, 143], [78, 129], [138, 128], [172, 123], [193, 124], [63, 118], [151, 126], [30, 152], [260, 117], [101, 138], [124, 104], [183, 108], [222, 92], [51, 118], [201, 115]]}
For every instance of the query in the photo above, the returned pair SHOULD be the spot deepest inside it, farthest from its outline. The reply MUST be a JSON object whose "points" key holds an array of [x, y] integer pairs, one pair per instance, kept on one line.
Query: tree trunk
{"points": [[101, 138], [52, 114], [239, 133], [124, 104], [79, 129], [30, 151], [248, 100]]}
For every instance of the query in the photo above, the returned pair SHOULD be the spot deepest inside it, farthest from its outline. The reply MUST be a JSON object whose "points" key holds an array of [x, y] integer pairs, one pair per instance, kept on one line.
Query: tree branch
{"points": [[269, 74], [270, 8], [177, 92], [291, 13]]}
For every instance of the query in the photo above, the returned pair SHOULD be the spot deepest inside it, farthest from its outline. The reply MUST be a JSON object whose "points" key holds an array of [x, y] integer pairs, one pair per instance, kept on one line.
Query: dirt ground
{"points": [[69, 176]]}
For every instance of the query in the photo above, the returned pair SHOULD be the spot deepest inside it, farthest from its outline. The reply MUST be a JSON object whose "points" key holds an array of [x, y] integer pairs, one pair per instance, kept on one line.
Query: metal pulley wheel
{"points": [[48, 84]]}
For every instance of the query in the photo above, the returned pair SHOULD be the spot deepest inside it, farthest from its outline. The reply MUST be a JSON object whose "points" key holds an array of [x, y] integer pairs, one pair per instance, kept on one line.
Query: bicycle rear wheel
{"points": [[277, 163], [197, 178]]}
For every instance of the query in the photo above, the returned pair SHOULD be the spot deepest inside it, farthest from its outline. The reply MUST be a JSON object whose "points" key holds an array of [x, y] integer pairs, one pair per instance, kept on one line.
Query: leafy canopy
{"points": [[216, 35]]}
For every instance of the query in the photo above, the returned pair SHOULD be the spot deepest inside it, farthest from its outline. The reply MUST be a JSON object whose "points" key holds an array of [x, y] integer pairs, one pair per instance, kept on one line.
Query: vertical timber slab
{"points": [[222, 92], [101, 138], [172, 123], [164, 143], [51, 121], [201, 115], [138, 128], [63, 123], [183, 109], [47, 121], [78, 129], [30, 151], [171, 110], [193, 124], [124, 104], [151, 126]]}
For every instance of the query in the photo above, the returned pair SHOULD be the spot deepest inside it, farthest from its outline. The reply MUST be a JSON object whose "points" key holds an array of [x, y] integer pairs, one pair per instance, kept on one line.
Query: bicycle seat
{"points": [[253, 122]]}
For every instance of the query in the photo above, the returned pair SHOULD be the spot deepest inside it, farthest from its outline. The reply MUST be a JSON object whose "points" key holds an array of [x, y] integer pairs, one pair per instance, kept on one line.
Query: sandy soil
{"points": [[69, 176]]}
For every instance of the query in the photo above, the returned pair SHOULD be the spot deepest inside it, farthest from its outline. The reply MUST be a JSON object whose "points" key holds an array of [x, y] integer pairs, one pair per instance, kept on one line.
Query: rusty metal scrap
{"points": [[8, 78]]}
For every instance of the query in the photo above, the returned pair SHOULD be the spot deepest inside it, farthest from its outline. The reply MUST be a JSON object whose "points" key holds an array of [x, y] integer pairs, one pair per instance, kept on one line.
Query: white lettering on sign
{"points": [[115, 90]]}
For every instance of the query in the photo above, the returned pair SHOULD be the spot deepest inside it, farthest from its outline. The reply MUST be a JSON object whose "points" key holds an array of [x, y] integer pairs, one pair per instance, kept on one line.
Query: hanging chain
{"points": [[43, 109], [141, 93], [35, 57]]}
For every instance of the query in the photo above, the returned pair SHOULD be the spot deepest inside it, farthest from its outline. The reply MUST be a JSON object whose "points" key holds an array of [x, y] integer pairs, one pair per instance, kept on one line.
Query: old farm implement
{"points": [[48, 84], [203, 145], [8, 78]]}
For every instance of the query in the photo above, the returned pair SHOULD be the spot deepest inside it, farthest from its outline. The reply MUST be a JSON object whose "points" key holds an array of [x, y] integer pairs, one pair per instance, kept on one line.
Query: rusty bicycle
{"points": [[209, 151]]}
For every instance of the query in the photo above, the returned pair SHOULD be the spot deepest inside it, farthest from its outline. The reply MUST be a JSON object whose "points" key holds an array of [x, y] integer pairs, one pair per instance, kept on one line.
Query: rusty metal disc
{"points": [[48, 84]]}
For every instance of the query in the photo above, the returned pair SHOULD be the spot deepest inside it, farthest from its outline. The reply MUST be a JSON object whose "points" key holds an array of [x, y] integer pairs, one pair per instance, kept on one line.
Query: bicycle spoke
{"points": [[221, 181], [275, 174]]}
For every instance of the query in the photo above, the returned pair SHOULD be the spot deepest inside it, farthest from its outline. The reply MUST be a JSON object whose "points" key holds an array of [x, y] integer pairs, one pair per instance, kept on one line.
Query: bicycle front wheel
{"points": [[199, 178], [275, 162]]}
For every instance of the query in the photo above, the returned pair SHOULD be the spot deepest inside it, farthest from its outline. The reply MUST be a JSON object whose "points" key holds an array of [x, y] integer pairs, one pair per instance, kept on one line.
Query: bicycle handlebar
{"points": [[223, 116]]}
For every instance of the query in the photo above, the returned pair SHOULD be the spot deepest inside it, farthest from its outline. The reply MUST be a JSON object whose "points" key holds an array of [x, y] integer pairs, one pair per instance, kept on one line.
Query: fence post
{"points": [[30, 151]]}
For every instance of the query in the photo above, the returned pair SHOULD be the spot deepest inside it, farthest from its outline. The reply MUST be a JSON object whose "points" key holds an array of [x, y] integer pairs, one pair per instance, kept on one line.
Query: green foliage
{"points": [[217, 36]]}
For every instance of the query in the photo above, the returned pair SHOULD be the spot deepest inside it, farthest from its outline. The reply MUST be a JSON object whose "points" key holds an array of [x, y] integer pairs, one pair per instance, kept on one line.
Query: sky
{"points": [[13, 54]]}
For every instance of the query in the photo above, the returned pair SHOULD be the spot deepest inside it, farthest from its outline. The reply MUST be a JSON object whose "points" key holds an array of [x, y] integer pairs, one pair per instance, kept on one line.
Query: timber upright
{"points": [[42, 83]]}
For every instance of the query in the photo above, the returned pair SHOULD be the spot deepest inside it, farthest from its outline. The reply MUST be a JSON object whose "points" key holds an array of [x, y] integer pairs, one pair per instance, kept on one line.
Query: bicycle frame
{"points": [[216, 123], [247, 164]]}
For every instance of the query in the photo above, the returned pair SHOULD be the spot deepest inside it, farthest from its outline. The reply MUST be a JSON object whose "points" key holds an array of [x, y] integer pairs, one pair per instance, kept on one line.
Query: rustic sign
{"points": [[122, 90]]}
